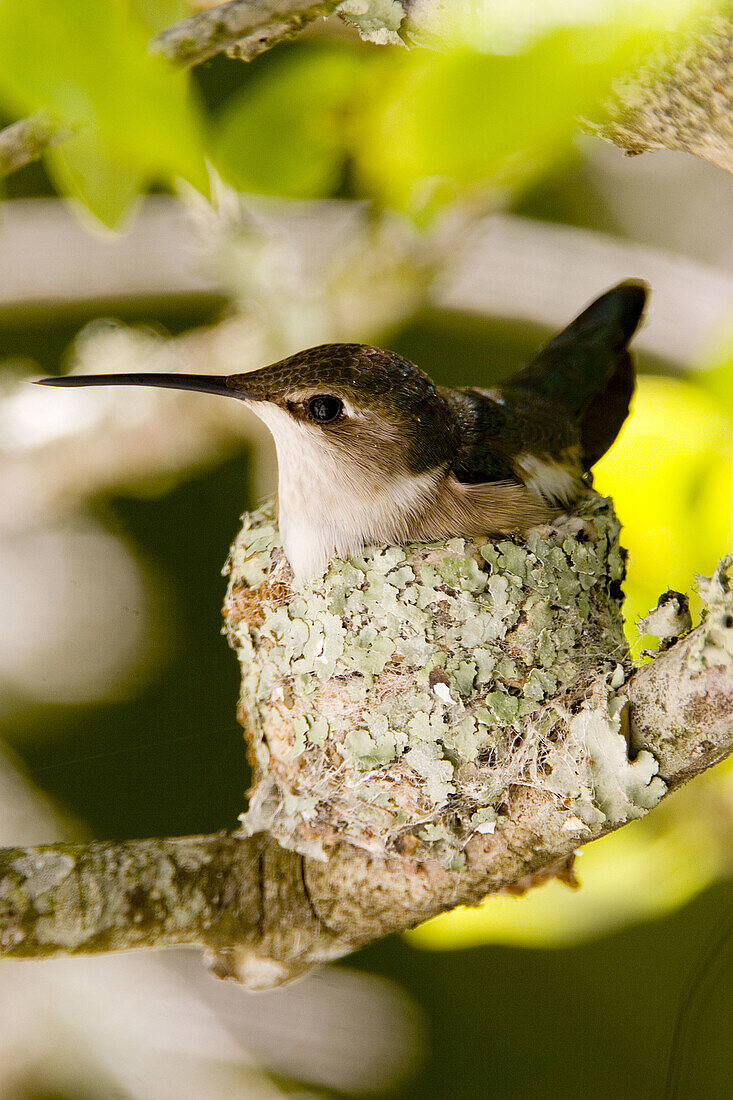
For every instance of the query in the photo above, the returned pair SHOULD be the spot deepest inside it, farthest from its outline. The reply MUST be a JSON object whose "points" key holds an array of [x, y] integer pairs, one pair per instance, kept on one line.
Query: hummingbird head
{"points": [[362, 439], [372, 408], [368, 409]]}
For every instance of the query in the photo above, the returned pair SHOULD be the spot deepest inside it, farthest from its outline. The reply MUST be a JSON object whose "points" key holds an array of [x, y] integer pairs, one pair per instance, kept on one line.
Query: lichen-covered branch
{"points": [[68, 898], [26, 141], [266, 913], [222, 892], [681, 705], [241, 28]]}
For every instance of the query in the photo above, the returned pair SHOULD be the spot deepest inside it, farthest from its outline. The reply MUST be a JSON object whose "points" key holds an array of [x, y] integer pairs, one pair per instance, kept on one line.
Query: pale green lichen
{"points": [[395, 698], [43, 871], [592, 767], [714, 643], [377, 21]]}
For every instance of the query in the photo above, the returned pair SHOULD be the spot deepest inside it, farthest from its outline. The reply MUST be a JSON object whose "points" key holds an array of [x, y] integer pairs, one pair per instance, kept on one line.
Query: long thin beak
{"points": [[204, 383]]}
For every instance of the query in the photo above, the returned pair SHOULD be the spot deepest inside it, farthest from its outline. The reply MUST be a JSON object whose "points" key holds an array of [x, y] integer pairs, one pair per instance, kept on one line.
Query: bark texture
{"points": [[241, 28]]}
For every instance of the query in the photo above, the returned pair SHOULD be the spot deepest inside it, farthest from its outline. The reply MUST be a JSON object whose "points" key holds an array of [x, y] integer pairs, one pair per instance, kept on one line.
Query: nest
{"points": [[394, 701]]}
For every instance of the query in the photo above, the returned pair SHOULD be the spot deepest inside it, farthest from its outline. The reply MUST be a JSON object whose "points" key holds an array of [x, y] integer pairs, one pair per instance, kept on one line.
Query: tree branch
{"points": [[681, 705], [67, 898], [242, 28]]}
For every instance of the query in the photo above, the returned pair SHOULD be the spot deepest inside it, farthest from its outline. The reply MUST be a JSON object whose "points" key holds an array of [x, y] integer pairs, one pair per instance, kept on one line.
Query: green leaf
{"points": [[86, 64], [509, 28], [286, 132], [158, 14], [82, 171], [451, 123], [500, 105]]}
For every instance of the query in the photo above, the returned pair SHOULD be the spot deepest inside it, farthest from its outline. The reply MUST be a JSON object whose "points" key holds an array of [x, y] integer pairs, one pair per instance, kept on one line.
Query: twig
{"points": [[64, 898], [242, 28], [26, 141]]}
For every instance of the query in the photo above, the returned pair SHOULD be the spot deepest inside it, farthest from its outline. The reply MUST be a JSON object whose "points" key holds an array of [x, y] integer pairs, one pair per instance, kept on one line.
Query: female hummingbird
{"points": [[370, 451]]}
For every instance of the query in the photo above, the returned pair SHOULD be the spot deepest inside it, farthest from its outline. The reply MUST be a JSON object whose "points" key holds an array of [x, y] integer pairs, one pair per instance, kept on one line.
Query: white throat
{"points": [[328, 508]]}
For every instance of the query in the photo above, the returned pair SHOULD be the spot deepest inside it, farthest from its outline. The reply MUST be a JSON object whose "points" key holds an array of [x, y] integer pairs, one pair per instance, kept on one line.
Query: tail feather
{"points": [[578, 364], [601, 420]]}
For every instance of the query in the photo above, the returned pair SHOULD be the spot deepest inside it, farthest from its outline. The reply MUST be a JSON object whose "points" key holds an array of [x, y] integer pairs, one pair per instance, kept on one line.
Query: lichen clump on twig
{"points": [[394, 701], [714, 645]]}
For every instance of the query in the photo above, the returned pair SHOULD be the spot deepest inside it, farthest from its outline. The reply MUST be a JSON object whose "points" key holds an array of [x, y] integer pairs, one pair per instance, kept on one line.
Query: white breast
{"points": [[328, 507]]}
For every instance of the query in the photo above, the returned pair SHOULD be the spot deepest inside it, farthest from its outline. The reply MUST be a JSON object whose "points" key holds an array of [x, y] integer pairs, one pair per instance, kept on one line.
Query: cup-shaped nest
{"points": [[394, 701]]}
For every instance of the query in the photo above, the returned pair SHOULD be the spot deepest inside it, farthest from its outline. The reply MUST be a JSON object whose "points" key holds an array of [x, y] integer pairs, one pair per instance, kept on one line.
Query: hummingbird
{"points": [[370, 451]]}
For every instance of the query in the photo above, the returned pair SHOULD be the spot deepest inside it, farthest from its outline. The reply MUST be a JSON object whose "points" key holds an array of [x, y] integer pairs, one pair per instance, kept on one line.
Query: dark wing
{"points": [[483, 430]]}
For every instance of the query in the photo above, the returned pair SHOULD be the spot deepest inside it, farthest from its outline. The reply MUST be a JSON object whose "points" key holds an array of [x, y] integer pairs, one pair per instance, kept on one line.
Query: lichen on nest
{"points": [[394, 701]]}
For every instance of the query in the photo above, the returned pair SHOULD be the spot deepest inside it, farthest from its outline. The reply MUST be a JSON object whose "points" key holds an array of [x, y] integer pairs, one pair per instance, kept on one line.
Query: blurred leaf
{"points": [[157, 14], [85, 62], [450, 123], [285, 133], [495, 109], [83, 171], [420, 127]]}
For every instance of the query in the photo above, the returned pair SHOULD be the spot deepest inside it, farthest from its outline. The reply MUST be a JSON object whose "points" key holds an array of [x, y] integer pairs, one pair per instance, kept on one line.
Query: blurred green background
{"points": [[592, 993]]}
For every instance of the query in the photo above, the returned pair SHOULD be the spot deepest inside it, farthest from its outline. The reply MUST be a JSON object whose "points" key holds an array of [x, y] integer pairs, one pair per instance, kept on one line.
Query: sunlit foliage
{"points": [[481, 108]]}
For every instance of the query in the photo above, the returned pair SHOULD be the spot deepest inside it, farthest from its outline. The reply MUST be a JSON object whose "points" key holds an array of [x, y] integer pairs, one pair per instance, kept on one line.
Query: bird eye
{"points": [[324, 409]]}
